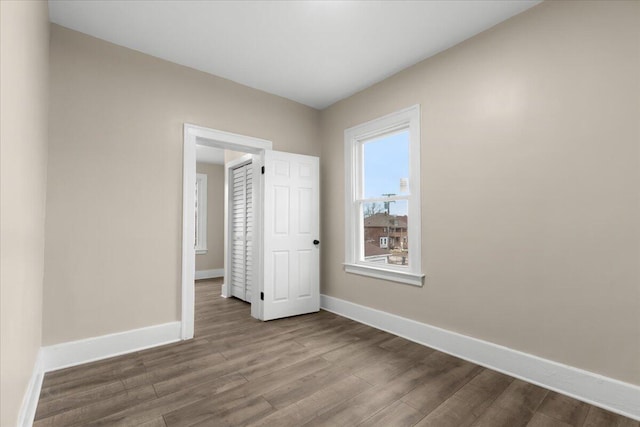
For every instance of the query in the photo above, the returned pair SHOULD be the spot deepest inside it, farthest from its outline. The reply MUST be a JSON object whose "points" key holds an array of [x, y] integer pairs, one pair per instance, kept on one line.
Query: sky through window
{"points": [[386, 162]]}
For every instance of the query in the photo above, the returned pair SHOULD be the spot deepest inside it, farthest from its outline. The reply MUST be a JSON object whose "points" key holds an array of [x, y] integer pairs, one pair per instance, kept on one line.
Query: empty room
{"points": [[320, 213]]}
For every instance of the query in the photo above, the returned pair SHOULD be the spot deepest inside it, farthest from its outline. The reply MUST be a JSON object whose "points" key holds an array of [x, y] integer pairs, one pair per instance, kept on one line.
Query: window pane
{"points": [[385, 234], [386, 165]]}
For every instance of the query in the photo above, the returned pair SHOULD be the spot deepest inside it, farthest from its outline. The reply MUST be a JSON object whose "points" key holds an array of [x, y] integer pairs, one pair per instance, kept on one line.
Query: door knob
{"points": [[316, 242]]}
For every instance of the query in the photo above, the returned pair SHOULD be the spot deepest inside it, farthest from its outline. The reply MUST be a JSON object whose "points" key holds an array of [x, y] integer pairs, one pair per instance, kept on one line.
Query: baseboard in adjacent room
{"points": [[607, 393], [74, 353], [30, 400], [209, 274]]}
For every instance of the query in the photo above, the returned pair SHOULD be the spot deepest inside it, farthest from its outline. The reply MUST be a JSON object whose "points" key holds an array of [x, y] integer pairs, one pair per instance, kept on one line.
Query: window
{"points": [[382, 170], [201, 214]]}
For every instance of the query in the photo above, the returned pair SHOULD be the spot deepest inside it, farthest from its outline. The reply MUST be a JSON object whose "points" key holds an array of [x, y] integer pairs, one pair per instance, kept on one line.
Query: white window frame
{"points": [[201, 224], [406, 119], [384, 239]]}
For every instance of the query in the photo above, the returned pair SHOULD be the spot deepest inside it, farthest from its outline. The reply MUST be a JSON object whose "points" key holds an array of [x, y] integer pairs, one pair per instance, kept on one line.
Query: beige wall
{"points": [[24, 90], [214, 258], [530, 187], [114, 219]]}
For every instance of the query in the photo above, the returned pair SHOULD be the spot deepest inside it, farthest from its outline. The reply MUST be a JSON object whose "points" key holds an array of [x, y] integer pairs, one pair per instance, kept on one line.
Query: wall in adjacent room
{"points": [[530, 187], [24, 91], [214, 258]]}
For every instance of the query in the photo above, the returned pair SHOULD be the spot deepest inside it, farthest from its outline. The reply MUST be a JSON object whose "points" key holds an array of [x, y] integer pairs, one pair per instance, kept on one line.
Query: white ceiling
{"points": [[210, 155], [313, 52]]}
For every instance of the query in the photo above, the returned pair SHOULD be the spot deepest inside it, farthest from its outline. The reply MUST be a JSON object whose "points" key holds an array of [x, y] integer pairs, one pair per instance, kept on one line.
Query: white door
{"points": [[241, 219], [291, 255]]}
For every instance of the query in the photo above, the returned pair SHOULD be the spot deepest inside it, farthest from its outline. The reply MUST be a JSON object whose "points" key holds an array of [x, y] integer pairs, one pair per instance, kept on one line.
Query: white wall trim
{"points": [[383, 273], [608, 393], [30, 399], [209, 274], [74, 353]]}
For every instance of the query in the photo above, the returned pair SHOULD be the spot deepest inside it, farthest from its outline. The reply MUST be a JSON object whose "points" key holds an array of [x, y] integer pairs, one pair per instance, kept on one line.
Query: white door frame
{"points": [[198, 135]]}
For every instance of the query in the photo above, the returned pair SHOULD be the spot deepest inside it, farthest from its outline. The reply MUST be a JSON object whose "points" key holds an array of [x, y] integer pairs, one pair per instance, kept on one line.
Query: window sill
{"points": [[385, 274], [201, 251]]}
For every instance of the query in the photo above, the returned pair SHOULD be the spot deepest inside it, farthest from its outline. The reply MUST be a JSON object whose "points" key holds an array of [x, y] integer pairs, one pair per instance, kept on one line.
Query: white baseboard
{"points": [[209, 274], [30, 400], [607, 393], [73, 353]]}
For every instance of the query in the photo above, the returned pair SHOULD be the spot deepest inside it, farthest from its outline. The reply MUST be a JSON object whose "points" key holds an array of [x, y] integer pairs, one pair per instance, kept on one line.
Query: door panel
{"points": [[291, 224], [281, 210], [305, 203], [281, 275], [305, 267]]}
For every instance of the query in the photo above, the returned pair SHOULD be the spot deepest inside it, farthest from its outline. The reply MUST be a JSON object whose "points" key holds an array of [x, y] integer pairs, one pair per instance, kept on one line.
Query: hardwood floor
{"points": [[312, 370]]}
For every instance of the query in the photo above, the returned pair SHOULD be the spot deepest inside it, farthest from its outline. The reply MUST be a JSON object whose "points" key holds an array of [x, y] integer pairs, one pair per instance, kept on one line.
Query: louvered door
{"points": [[241, 232], [248, 240]]}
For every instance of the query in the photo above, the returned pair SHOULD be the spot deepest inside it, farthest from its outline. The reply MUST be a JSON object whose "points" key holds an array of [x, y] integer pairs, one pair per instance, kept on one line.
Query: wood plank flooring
{"points": [[313, 370]]}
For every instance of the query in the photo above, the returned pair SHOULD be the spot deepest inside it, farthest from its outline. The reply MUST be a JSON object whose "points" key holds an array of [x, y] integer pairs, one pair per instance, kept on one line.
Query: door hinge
{"points": [[263, 170], [261, 296]]}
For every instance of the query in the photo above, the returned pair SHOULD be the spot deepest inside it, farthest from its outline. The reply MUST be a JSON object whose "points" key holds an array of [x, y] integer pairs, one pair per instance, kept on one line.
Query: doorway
{"points": [[199, 136]]}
